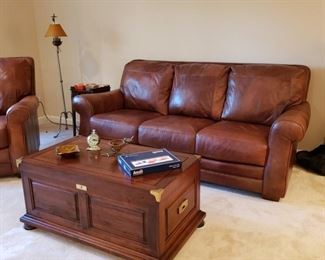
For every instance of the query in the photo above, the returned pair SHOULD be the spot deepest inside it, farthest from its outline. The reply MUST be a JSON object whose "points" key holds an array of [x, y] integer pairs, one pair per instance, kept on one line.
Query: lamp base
{"points": [[65, 115]]}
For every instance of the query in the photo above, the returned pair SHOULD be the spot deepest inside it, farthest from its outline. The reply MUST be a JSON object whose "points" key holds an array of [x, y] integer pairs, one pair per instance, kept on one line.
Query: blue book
{"points": [[148, 162]]}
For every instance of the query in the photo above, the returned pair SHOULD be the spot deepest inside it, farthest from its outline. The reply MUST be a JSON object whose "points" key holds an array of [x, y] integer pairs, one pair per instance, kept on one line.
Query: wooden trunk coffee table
{"points": [[88, 198]]}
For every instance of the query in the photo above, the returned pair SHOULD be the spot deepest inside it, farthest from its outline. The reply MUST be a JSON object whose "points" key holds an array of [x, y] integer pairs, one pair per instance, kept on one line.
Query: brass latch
{"points": [[81, 187], [182, 207]]}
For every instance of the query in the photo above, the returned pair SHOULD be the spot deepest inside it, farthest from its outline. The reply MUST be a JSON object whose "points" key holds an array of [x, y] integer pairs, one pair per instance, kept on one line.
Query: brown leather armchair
{"points": [[19, 130]]}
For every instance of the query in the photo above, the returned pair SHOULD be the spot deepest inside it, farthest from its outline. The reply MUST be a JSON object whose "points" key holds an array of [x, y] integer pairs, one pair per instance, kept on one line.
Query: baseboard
{"points": [[55, 119]]}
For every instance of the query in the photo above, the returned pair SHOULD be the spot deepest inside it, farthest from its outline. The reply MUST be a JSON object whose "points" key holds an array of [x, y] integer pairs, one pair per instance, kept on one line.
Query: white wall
{"points": [[18, 34], [104, 35]]}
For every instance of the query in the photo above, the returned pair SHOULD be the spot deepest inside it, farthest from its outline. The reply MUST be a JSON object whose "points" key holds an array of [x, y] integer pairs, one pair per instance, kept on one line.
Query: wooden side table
{"points": [[74, 93]]}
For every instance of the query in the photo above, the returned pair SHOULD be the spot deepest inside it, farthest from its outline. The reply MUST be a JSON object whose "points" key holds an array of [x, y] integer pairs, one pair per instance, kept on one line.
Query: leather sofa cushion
{"points": [[146, 85], [3, 132], [120, 123], [260, 93], [234, 142], [199, 90], [173, 132], [16, 81]]}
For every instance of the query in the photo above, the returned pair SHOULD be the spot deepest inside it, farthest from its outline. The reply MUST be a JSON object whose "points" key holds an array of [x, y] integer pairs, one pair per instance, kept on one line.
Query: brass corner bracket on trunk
{"points": [[157, 194], [19, 161]]}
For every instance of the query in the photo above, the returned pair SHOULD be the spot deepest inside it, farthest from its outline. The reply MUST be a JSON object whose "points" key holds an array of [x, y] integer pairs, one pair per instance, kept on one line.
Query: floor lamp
{"points": [[56, 31]]}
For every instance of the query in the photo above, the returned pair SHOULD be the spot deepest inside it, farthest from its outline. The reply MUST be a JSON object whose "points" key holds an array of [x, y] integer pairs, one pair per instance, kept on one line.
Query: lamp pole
{"points": [[55, 31], [65, 112]]}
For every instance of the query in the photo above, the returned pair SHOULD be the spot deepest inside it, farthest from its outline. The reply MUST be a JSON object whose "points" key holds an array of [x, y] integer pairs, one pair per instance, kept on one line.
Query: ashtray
{"points": [[116, 145], [68, 150]]}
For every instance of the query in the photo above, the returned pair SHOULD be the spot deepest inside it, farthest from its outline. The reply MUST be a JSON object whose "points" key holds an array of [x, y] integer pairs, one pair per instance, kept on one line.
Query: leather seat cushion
{"points": [[120, 123], [199, 90], [234, 142], [4, 142], [146, 85], [247, 100], [176, 133]]}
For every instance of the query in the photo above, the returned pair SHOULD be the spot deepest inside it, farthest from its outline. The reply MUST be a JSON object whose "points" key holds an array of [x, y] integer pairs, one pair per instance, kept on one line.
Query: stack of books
{"points": [[148, 162]]}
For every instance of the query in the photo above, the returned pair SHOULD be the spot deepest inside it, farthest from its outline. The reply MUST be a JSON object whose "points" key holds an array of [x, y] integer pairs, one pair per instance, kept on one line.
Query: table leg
{"points": [[74, 123]]}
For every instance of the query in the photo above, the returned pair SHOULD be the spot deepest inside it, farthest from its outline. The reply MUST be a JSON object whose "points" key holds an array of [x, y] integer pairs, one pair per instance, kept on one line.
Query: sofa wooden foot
{"points": [[201, 224], [277, 199], [28, 227]]}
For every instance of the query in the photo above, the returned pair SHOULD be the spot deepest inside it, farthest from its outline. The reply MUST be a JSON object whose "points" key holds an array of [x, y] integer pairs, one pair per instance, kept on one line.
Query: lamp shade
{"points": [[55, 30]]}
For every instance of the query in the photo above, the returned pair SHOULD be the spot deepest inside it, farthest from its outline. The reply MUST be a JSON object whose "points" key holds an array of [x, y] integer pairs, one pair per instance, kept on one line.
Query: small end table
{"points": [[74, 93]]}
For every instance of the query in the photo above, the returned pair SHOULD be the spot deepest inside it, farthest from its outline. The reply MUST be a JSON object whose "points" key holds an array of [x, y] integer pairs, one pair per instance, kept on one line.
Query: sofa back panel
{"points": [[260, 93], [16, 81], [199, 90], [146, 85]]}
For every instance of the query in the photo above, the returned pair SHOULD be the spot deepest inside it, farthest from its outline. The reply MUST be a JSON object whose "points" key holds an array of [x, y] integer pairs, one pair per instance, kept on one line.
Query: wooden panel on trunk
{"points": [[124, 222], [55, 201]]}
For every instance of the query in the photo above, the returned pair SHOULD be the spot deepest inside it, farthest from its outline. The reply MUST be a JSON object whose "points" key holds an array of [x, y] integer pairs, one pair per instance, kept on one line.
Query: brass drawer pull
{"points": [[182, 207]]}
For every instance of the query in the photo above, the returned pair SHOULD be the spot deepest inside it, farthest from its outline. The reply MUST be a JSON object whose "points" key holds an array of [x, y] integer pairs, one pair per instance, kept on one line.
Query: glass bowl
{"points": [[116, 145]]}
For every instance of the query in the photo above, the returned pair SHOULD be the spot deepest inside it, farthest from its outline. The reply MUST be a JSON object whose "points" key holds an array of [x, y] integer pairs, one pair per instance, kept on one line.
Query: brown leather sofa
{"points": [[19, 131], [243, 119]]}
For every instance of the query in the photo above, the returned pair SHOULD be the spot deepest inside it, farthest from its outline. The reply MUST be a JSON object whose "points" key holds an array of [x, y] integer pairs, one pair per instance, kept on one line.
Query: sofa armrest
{"points": [[23, 130], [292, 124], [289, 128], [88, 105]]}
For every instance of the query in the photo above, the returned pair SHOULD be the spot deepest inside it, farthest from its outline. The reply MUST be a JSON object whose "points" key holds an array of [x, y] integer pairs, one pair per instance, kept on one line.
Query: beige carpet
{"points": [[239, 225]]}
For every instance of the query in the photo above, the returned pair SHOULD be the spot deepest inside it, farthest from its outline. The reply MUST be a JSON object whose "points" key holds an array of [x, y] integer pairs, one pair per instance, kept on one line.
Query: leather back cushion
{"points": [[199, 90], [146, 85], [16, 81], [260, 93]]}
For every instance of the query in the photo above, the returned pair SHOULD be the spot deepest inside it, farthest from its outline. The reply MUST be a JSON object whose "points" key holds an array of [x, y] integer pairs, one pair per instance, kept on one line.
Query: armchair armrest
{"points": [[20, 112], [289, 128], [88, 105], [23, 130], [292, 124]]}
